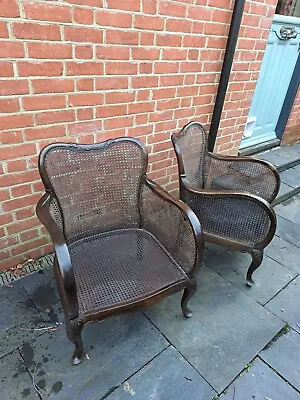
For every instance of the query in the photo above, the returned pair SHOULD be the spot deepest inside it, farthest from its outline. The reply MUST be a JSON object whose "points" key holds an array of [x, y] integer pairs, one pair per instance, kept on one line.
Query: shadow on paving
{"points": [[160, 354]]}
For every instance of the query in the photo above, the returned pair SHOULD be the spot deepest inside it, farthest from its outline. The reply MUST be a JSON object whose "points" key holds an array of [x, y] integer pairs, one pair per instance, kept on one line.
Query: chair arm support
{"points": [[192, 196], [62, 259], [167, 207], [253, 164]]}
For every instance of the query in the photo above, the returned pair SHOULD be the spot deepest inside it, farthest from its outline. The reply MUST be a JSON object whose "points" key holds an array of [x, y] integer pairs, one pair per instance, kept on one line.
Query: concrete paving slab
{"points": [[284, 189], [288, 231], [291, 176], [286, 305], [284, 357], [116, 348], [168, 376], [226, 331], [272, 157], [15, 381], [260, 383], [290, 153], [285, 253], [18, 318], [269, 278], [290, 209], [42, 289]]}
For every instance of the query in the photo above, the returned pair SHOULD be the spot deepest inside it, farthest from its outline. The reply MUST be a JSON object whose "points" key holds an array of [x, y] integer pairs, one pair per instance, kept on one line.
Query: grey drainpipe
{"points": [[236, 19]]}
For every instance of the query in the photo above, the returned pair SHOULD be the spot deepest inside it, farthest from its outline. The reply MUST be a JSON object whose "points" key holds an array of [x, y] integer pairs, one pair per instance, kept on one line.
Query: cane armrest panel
{"points": [[174, 224], [238, 216], [242, 173]]}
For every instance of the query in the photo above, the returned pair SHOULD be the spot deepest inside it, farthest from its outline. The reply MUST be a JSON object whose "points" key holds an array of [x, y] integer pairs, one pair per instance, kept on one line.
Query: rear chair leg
{"points": [[74, 329], [257, 257], [187, 295]]}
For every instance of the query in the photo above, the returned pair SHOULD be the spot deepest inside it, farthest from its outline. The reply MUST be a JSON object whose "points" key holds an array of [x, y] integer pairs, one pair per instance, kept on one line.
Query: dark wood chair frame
{"points": [[63, 269], [186, 189]]}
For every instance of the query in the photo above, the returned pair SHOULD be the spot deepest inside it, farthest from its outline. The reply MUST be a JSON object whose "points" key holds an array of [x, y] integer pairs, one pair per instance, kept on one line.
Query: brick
{"points": [[212, 28], [9, 8], [146, 68], [178, 25], [92, 3], [171, 80], [44, 133], [83, 15], [143, 53], [24, 213], [16, 165], [11, 50], [85, 84], [6, 69], [5, 218], [28, 235], [52, 85], [3, 30], [144, 81], [146, 21], [200, 13], [111, 82], [172, 9], [35, 31], [79, 34], [167, 104], [119, 97], [138, 108], [22, 190], [112, 52], [85, 127], [194, 41], [84, 52], [121, 68], [163, 93], [8, 241], [210, 54], [47, 12], [47, 68], [168, 40], [15, 121], [222, 16], [147, 38], [116, 123], [86, 99], [50, 50], [11, 137], [84, 68], [174, 54], [187, 91], [52, 117], [9, 105], [113, 18], [84, 114], [44, 102], [8, 180], [149, 7], [122, 37], [111, 111], [130, 5], [29, 247], [166, 67]]}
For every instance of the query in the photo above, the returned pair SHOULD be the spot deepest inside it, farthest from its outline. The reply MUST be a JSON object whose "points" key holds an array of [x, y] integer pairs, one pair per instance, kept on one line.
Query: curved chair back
{"points": [[190, 147], [95, 187]]}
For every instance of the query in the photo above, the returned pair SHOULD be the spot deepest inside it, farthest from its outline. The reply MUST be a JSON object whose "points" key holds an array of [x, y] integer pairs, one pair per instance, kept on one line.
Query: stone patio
{"points": [[241, 343]]}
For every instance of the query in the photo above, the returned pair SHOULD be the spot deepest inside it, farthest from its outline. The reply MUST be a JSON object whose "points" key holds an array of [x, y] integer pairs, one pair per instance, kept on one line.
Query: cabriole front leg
{"points": [[74, 329], [188, 293], [257, 257]]}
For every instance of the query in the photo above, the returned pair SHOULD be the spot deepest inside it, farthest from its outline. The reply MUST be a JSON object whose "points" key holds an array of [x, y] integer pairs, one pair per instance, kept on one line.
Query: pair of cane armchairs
{"points": [[123, 243]]}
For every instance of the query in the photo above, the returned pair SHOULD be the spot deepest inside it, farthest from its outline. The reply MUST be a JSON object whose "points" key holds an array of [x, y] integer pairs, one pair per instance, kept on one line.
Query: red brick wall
{"points": [[88, 70], [292, 130]]}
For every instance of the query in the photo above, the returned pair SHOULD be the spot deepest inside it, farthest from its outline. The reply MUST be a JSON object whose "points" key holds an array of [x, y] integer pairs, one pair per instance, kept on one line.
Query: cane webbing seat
{"points": [[121, 242], [230, 195]]}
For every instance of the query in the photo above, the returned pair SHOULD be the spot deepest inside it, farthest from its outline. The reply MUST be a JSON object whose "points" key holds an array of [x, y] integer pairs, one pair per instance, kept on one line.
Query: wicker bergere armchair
{"points": [[121, 241], [230, 195]]}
